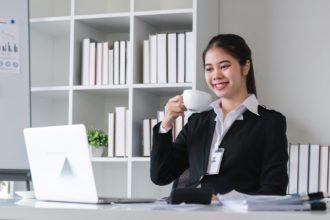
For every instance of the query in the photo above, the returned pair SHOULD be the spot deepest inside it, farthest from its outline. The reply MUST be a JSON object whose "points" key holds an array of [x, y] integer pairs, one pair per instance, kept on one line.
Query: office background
{"points": [[14, 87], [291, 51], [290, 44]]}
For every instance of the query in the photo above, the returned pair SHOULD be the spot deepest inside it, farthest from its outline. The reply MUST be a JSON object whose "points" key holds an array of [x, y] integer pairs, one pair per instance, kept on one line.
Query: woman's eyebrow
{"points": [[220, 62], [224, 61]]}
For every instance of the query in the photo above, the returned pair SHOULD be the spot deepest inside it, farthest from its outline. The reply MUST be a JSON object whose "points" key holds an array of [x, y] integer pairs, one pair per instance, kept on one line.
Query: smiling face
{"points": [[224, 74]]}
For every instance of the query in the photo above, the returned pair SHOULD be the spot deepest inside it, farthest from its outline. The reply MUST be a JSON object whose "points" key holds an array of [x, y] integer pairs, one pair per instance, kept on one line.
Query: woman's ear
{"points": [[246, 68]]}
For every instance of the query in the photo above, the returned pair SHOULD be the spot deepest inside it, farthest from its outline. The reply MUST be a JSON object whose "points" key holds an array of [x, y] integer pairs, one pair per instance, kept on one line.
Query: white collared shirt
{"points": [[222, 126]]}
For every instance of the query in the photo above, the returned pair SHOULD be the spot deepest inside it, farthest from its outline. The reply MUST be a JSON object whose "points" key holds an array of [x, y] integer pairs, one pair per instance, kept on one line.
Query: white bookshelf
{"points": [[57, 29]]}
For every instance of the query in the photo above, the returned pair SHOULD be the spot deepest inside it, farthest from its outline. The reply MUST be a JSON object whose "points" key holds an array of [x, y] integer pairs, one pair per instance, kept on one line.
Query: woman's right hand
{"points": [[173, 109]]}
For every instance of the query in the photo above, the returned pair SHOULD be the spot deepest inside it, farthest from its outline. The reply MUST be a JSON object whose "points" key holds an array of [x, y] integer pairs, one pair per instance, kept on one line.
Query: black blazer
{"points": [[254, 161]]}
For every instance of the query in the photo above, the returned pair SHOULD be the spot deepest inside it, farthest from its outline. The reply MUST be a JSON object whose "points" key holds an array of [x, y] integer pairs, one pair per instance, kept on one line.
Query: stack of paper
{"points": [[274, 203]]}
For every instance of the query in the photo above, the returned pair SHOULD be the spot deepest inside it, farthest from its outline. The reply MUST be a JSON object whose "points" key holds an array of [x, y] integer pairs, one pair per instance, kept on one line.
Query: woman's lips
{"points": [[220, 86]]}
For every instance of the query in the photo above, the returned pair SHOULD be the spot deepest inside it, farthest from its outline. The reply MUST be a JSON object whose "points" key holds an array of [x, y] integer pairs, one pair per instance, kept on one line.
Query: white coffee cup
{"points": [[195, 100]]}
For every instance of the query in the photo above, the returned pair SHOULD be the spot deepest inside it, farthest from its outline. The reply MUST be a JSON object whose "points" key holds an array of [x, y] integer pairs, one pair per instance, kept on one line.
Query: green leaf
{"points": [[97, 137]]}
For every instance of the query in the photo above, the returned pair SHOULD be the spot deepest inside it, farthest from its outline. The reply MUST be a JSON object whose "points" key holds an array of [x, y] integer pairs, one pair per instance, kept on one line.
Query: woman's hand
{"points": [[173, 109]]}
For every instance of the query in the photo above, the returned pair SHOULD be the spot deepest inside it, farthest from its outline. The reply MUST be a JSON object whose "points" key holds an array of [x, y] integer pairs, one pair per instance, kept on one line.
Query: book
{"points": [[293, 168], [324, 166], [146, 62], [303, 168], [111, 134], [120, 133], [92, 65], [314, 167], [153, 58], [172, 57], [85, 61], [99, 59], [146, 138], [161, 58], [128, 134], [129, 63], [181, 58], [153, 123], [105, 63], [189, 58], [122, 62], [160, 115], [116, 62], [110, 69]]}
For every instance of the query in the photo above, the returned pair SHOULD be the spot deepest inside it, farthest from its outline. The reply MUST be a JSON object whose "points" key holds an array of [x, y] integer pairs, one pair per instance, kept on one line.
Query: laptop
{"points": [[61, 166]]}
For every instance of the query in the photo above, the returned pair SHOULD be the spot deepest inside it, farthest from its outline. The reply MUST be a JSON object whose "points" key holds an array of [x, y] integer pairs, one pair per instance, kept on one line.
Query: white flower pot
{"points": [[96, 152]]}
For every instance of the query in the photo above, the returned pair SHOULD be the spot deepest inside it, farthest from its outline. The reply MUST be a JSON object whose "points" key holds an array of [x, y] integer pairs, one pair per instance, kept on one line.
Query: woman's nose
{"points": [[217, 73]]}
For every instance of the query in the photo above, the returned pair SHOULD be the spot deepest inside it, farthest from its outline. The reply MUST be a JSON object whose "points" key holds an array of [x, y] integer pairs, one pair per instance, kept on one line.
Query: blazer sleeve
{"points": [[168, 159], [274, 176]]}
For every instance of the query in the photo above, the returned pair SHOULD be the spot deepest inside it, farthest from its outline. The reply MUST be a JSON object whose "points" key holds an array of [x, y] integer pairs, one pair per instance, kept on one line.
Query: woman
{"points": [[238, 144]]}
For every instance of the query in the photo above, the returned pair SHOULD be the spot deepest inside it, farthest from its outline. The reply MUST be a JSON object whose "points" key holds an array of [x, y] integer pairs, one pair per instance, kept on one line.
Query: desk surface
{"points": [[32, 209]]}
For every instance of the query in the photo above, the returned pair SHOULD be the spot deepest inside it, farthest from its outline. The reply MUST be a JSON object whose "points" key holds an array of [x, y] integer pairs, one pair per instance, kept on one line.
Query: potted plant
{"points": [[97, 140]]}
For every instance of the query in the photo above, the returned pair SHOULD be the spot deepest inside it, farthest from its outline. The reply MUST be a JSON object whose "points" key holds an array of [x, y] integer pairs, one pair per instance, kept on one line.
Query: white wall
{"points": [[290, 42]]}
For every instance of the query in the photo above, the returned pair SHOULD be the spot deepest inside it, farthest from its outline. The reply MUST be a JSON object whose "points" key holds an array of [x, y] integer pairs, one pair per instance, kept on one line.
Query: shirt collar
{"points": [[250, 103]]}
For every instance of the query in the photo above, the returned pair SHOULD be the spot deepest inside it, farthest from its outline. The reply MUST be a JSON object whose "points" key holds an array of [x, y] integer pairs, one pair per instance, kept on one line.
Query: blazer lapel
{"points": [[208, 139]]}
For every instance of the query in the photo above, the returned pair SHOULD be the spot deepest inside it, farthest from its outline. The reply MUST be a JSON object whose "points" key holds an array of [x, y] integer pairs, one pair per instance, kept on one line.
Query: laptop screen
{"points": [[60, 163]]}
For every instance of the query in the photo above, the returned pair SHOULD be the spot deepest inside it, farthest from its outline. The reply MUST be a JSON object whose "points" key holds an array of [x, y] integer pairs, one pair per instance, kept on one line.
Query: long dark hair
{"points": [[237, 47]]}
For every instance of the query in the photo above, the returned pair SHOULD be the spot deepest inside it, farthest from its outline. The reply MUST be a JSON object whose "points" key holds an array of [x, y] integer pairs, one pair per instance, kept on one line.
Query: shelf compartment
{"points": [[111, 179], [49, 8], [83, 7], [142, 186], [146, 24], [113, 23], [172, 20], [49, 108], [147, 5], [50, 53], [100, 29], [91, 106], [155, 98]]}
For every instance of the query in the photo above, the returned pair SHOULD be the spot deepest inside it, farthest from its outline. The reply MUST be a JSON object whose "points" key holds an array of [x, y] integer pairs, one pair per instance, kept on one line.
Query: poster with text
{"points": [[9, 46]]}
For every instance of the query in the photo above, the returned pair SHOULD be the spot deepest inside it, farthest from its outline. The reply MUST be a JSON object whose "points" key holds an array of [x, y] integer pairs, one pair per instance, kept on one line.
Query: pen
{"points": [[309, 196]]}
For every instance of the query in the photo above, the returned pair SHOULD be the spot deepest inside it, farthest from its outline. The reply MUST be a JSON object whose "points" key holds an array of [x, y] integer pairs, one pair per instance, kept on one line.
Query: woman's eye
{"points": [[224, 67], [208, 69]]}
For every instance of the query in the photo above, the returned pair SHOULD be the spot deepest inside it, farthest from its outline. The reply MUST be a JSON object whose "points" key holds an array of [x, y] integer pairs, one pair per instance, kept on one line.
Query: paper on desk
{"points": [[252, 199], [236, 200], [47, 204], [160, 205]]}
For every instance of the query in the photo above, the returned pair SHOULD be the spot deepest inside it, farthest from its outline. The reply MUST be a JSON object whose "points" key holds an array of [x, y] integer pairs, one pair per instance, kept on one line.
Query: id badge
{"points": [[216, 161]]}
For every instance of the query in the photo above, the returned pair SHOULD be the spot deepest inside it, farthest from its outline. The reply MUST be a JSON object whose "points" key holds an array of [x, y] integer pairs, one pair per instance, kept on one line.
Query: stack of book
{"points": [[168, 58], [308, 168], [148, 125], [118, 129], [104, 63]]}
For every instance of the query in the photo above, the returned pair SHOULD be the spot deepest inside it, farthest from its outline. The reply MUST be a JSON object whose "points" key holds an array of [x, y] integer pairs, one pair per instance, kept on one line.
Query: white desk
{"points": [[31, 209]]}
